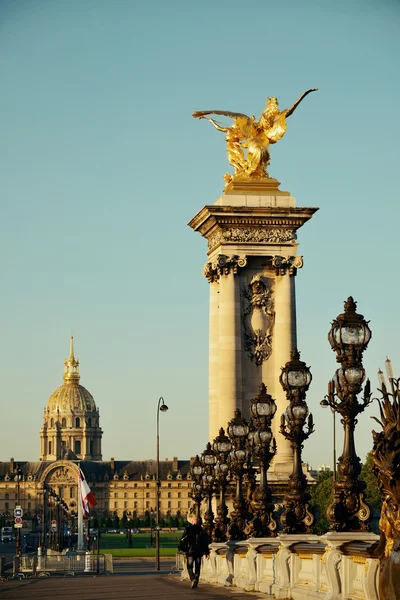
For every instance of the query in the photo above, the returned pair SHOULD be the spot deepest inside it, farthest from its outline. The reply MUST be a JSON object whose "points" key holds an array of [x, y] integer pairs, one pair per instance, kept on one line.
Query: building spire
{"points": [[71, 366]]}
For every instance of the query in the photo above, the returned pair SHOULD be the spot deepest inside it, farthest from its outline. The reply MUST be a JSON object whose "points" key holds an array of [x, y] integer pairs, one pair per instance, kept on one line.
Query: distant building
{"points": [[71, 438]]}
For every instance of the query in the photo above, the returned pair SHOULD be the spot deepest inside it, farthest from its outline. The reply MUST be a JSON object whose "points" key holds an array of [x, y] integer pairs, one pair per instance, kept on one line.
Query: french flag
{"points": [[87, 497]]}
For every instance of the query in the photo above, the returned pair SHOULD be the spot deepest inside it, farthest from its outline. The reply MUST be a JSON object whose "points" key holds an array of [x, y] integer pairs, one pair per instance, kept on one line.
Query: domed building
{"points": [[70, 441], [71, 427]]}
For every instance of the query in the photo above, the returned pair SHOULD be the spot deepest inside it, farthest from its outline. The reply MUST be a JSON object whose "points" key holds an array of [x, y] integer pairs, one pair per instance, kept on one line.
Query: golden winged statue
{"points": [[253, 136]]}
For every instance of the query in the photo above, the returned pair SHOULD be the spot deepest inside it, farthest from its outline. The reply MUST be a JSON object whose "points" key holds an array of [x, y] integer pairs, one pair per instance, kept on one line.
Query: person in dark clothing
{"points": [[194, 543]]}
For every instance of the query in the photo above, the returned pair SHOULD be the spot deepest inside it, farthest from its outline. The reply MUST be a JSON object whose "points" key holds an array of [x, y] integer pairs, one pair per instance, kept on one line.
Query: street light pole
{"points": [[18, 540], [324, 403], [161, 407]]}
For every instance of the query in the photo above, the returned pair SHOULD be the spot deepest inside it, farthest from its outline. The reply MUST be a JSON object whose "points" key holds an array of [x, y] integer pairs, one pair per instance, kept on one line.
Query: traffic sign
{"points": [[54, 522], [17, 525], [18, 512], [18, 520], [54, 528]]}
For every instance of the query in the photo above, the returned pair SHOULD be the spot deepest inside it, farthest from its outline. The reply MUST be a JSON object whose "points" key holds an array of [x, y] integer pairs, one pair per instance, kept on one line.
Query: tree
{"points": [[321, 498], [372, 493]]}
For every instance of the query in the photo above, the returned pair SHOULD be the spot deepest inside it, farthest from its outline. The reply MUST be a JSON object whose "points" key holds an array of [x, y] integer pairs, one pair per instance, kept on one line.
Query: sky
{"points": [[102, 167]]}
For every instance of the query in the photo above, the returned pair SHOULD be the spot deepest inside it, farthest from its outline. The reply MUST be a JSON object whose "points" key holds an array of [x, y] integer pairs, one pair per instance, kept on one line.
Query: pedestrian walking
{"points": [[194, 543]]}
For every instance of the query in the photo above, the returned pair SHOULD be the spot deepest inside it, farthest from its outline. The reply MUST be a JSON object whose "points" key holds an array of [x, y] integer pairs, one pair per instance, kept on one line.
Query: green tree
{"points": [[321, 498], [372, 492]]}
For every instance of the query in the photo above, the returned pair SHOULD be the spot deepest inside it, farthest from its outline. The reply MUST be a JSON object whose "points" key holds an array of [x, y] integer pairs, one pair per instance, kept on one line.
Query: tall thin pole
{"points": [[80, 518], [18, 541], [163, 407], [158, 489], [334, 444]]}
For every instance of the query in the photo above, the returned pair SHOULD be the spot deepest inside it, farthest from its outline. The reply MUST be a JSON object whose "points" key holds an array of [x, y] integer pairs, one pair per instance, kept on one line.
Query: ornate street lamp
{"points": [[208, 460], [349, 336], [295, 379], [263, 448], [163, 408], [238, 430], [222, 447], [18, 478], [197, 470]]}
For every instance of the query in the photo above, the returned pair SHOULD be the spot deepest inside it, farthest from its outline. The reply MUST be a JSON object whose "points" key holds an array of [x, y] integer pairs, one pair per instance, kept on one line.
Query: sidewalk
{"points": [[120, 587]]}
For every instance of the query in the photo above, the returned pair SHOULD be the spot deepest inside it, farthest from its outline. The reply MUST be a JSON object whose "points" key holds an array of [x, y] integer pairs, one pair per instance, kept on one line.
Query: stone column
{"points": [[213, 371], [285, 335]]}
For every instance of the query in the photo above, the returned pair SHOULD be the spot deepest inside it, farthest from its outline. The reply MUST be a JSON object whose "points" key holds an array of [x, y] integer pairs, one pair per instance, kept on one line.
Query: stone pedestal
{"points": [[251, 232]]}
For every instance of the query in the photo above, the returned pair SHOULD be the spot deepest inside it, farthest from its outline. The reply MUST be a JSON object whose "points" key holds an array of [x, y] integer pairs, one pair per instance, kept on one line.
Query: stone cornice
{"points": [[250, 225]]}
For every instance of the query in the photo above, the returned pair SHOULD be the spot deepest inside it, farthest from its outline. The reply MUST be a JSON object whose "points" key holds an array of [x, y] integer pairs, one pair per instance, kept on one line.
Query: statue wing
{"points": [[278, 129], [225, 113]]}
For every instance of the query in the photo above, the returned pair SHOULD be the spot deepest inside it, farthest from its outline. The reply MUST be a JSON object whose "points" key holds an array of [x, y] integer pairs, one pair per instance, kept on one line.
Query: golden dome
{"points": [[71, 397]]}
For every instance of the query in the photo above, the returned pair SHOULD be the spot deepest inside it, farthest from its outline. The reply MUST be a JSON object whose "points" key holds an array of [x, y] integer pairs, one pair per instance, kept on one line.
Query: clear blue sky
{"points": [[103, 166]]}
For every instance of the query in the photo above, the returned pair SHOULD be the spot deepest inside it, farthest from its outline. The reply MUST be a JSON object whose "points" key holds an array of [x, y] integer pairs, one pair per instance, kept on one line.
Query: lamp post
{"points": [[222, 447], [208, 460], [43, 531], [18, 536], [325, 403], [163, 408], [238, 430], [295, 379], [197, 470], [263, 448], [349, 337]]}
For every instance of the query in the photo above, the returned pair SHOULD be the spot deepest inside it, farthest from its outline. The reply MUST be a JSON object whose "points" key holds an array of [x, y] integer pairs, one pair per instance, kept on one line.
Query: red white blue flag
{"points": [[87, 497]]}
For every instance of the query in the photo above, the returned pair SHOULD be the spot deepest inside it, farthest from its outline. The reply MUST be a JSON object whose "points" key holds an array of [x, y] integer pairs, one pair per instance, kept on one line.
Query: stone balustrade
{"points": [[335, 566]]}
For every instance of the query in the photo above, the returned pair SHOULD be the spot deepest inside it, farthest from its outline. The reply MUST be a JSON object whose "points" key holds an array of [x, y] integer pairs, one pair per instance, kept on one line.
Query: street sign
{"points": [[54, 528], [18, 512], [17, 525], [54, 522], [18, 520]]}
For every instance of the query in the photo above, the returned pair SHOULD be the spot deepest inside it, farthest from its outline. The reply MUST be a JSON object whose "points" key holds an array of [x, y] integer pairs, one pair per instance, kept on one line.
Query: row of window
{"points": [[147, 505], [74, 422]]}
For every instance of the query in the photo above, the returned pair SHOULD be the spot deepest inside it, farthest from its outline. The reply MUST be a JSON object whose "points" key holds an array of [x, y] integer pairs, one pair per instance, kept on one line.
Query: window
{"points": [[115, 504], [169, 495], [169, 485], [189, 504], [6, 506], [91, 446], [147, 504], [179, 504], [115, 495], [71, 492], [7, 496], [125, 505], [52, 423], [63, 422], [135, 485], [77, 446], [147, 485], [179, 485], [29, 505], [89, 422], [147, 494], [49, 447], [169, 504], [77, 422], [135, 505], [179, 495], [135, 494]]}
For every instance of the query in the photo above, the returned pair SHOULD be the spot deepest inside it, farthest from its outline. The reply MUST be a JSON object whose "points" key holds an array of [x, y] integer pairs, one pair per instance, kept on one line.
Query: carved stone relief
{"points": [[258, 320], [283, 264], [62, 475], [253, 235], [223, 266]]}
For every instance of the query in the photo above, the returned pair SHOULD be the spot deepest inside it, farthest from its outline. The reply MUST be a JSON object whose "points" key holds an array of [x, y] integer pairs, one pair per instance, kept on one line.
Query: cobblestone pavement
{"points": [[118, 587]]}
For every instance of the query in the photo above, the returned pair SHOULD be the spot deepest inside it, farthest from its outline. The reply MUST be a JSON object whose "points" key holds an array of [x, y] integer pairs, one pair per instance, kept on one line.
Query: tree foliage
{"points": [[321, 498]]}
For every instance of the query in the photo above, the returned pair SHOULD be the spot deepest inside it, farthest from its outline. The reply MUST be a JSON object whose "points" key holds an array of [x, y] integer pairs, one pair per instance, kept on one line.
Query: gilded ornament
{"points": [[253, 136]]}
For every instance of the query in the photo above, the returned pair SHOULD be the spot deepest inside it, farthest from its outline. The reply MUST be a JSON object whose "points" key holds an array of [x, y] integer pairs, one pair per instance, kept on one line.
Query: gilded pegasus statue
{"points": [[253, 136]]}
